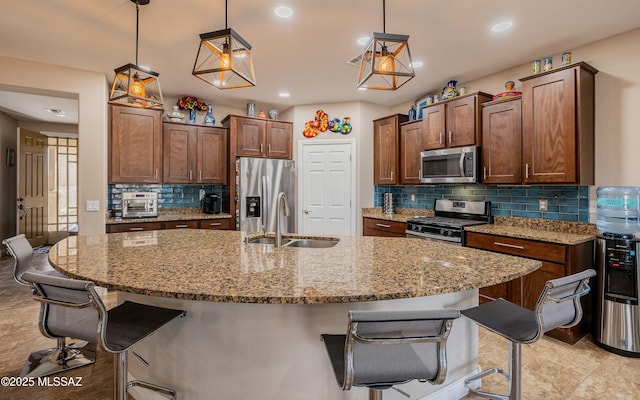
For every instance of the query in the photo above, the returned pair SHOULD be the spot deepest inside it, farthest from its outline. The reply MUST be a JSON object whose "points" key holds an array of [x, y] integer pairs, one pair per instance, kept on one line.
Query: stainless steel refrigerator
{"points": [[258, 183]]}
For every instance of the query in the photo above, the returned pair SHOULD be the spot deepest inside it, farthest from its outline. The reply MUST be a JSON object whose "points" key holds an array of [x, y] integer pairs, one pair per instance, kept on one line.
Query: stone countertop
{"points": [[562, 232], [164, 217], [401, 214], [210, 265]]}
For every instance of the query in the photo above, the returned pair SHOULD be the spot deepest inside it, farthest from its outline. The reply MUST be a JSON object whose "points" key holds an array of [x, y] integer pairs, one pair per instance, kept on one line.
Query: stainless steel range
{"points": [[451, 217]]}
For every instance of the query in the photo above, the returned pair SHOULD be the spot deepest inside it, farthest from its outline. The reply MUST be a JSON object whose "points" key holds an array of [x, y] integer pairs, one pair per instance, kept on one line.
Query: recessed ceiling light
{"points": [[283, 11], [362, 88], [502, 26], [58, 112], [363, 40], [417, 64], [284, 94]]}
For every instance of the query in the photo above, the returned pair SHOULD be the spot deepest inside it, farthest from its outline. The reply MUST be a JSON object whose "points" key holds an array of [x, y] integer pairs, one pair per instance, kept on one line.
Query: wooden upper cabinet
{"points": [[501, 142], [386, 132], [212, 155], [194, 154], [558, 125], [135, 145], [453, 122], [179, 154], [257, 137], [279, 139], [411, 144]]}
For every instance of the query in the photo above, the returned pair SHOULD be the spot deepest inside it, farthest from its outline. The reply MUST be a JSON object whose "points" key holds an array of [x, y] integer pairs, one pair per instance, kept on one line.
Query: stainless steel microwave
{"points": [[454, 165]]}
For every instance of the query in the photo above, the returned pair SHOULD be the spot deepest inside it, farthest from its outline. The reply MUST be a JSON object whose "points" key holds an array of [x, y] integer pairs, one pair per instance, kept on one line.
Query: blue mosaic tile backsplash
{"points": [[169, 196], [567, 203]]}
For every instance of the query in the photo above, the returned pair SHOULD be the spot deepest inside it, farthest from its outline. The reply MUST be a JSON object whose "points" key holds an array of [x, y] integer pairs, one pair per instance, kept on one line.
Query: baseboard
{"points": [[454, 390]]}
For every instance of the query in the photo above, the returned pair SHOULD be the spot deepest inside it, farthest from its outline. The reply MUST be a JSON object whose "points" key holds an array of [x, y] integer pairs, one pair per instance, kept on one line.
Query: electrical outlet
{"points": [[201, 194], [542, 204], [413, 197]]}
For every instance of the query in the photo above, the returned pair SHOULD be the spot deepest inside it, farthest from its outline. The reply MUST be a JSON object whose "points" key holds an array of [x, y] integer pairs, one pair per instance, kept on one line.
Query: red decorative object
{"points": [[319, 124], [190, 103]]}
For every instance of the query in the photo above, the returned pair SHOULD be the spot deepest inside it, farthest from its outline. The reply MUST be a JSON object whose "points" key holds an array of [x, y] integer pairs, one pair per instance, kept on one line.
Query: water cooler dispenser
{"points": [[617, 323]]}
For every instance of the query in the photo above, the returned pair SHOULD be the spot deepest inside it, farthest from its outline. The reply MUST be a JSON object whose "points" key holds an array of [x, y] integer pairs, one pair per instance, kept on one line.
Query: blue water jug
{"points": [[618, 209]]}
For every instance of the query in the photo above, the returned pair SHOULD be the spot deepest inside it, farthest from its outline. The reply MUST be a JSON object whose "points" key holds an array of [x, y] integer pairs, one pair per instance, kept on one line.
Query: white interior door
{"points": [[327, 188]]}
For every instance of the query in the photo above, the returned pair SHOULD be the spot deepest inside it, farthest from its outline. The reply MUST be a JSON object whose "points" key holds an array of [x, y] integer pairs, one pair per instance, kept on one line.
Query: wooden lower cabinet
{"points": [[193, 224], [134, 227], [218, 223], [383, 227], [558, 260]]}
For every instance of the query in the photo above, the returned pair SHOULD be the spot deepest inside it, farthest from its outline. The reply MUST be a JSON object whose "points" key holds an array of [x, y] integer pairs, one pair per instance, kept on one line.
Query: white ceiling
{"points": [[306, 55]]}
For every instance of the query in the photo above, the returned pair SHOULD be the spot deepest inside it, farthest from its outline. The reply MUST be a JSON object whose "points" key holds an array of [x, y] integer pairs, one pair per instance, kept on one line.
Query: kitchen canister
{"points": [[618, 209], [387, 203]]}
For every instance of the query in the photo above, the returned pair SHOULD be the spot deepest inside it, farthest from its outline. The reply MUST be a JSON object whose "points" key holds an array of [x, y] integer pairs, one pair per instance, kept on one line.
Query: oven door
{"points": [[453, 165], [428, 236]]}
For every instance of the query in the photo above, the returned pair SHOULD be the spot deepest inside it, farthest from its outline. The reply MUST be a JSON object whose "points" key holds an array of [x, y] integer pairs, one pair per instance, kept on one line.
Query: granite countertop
{"points": [[211, 265], [168, 216], [562, 232], [400, 214]]}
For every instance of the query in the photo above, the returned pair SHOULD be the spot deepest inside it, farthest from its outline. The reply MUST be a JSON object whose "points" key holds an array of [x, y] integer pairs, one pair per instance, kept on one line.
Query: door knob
{"points": [[306, 211], [19, 199]]}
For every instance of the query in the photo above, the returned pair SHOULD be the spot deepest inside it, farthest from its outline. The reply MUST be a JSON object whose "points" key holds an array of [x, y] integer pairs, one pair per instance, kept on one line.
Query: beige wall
{"points": [[91, 88], [8, 139], [362, 115]]}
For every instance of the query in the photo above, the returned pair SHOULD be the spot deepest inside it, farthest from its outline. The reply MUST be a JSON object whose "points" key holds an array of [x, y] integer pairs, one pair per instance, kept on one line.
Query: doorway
{"points": [[327, 187]]}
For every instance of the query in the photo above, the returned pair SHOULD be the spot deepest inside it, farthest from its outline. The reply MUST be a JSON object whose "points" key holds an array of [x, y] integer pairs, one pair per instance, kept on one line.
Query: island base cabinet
{"points": [[558, 260], [274, 352]]}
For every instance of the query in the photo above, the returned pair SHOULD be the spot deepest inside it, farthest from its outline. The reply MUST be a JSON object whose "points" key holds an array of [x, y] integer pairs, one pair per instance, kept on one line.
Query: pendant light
{"points": [[386, 60], [224, 59], [133, 85]]}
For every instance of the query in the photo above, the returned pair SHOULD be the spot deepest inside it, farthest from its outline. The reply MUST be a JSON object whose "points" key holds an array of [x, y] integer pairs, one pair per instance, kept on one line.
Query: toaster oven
{"points": [[139, 204]]}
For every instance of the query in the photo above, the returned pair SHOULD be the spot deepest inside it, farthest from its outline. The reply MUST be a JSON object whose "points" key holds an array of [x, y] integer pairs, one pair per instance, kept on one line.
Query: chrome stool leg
{"points": [[61, 358]]}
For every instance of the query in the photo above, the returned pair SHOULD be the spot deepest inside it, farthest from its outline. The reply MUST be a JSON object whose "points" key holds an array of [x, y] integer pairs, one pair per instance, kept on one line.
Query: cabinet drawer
{"points": [[147, 226], [518, 247], [181, 224], [371, 226], [215, 223]]}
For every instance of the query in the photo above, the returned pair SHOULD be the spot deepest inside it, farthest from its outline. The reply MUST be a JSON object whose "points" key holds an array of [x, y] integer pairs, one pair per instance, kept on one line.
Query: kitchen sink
{"points": [[288, 242], [312, 243]]}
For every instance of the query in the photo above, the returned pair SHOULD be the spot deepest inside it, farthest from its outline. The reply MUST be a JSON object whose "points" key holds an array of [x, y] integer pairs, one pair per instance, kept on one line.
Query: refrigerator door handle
{"points": [[265, 204]]}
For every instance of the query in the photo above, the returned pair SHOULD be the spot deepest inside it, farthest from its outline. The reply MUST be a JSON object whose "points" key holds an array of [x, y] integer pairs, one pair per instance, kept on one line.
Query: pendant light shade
{"points": [[224, 59], [133, 85], [386, 61]]}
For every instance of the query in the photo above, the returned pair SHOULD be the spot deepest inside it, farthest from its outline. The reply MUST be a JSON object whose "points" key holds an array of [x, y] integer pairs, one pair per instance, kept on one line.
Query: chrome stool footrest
{"points": [[155, 388], [481, 375]]}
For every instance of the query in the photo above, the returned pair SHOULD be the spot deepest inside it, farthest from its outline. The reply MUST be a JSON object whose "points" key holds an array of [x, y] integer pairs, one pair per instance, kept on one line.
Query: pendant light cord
{"points": [[226, 7], [384, 16], [137, 20]]}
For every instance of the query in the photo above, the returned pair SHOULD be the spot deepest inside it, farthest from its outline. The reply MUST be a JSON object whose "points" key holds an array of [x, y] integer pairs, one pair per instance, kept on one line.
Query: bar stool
{"points": [[386, 348], [73, 308], [64, 356], [557, 307]]}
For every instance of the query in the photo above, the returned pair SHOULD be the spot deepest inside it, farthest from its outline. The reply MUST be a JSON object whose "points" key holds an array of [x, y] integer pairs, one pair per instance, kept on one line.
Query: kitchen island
{"points": [[256, 312]]}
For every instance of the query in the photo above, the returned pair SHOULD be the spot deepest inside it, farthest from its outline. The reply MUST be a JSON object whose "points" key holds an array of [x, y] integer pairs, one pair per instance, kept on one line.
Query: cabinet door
{"points": [[133, 227], [410, 148], [384, 228], [193, 224], [212, 156], [433, 127], [490, 293], [385, 151], [533, 283], [549, 128], [224, 223], [279, 139], [250, 137], [179, 155], [135, 145], [461, 122], [502, 143]]}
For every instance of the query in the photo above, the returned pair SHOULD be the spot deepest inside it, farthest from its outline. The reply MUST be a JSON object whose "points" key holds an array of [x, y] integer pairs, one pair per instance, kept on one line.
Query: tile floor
{"points": [[552, 370]]}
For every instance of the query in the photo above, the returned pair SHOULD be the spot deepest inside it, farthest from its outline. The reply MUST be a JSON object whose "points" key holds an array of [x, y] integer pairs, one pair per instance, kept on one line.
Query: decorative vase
{"points": [[346, 126], [192, 116], [209, 118], [413, 114]]}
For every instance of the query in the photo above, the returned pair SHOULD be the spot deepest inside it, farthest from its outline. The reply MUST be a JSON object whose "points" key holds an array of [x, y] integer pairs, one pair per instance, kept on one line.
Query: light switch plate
{"points": [[92, 205], [542, 204]]}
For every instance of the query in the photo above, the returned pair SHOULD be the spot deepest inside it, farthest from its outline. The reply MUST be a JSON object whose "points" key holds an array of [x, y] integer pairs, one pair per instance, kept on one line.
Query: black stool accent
{"points": [[64, 356], [385, 348], [117, 329], [557, 307]]}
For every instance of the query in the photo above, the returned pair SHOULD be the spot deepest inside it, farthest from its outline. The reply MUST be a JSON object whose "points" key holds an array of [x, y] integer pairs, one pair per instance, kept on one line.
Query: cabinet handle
{"points": [[269, 148], [136, 229], [155, 174], [391, 175], [190, 175], [484, 173], [383, 225], [449, 136], [440, 137], [526, 170], [200, 175], [260, 148], [215, 224], [182, 226], [513, 246]]}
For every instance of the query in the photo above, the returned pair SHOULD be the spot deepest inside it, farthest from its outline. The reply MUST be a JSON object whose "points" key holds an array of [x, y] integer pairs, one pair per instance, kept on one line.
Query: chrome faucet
{"points": [[281, 197]]}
